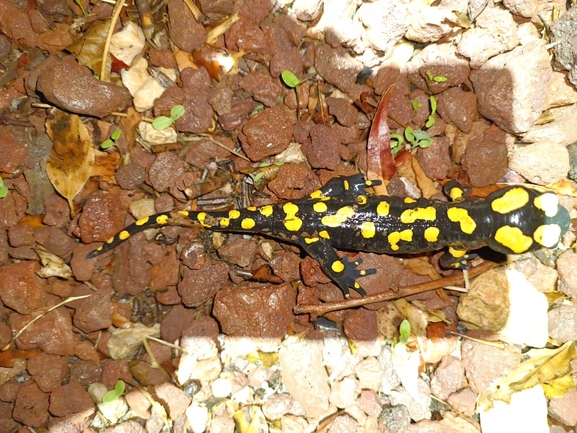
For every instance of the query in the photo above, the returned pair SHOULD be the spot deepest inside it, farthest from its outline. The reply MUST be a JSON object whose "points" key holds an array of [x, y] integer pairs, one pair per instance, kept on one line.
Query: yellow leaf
{"points": [[540, 367], [72, 157], [88, 49], [426, 185], [558, 387]]}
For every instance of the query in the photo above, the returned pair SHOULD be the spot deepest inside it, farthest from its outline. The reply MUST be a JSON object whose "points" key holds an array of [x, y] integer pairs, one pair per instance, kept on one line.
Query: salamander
{"points": [[343, 215]]}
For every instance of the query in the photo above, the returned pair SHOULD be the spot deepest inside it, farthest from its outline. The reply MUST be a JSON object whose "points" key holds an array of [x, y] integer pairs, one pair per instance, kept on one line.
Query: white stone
{"points": [[369, 373], [562, 130], [128, 43], [385, 23], [306, 10], [156, 136], [344, 393], [197, 417], [428, 23], [527, 322], [542, 163], [527, 412], [221, 387]]}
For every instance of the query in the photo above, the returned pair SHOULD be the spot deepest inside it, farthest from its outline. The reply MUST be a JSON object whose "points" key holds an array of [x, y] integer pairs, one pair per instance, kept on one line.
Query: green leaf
{"points": [[433, 101], [396, 143], [162, 122], [107, 143], [257, 177], [430, 121], [415, 104], [429, 75], [116, 134], [409, 134], [439, 79], [176, 112], [404, 331], [289, 78], [79, 3], [422, 139], [114, 394], [3, 189], [257, 110]]}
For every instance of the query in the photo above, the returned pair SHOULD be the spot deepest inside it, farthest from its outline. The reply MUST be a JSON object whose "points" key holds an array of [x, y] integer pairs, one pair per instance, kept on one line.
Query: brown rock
{"points": [[164, 171], [198, 286], [12, 209], [256, 10], [563, 323], [21, 235], [13, 153], [85, 372], [55, 241], [361, 325], [202, 152], [568, 273], [73, 88], [94, 313], [435, 160], [52, 333], [485, 161], [48, 371], [57, 211], [563, 409], [175, 321], [7, 422], [255, 310], [115, 370], [15, 24], [69, 399], [458, 107], [286, 266], [448, 377], [130, 176], [101, 218], [290, 59], [267, 133], [464, 401], [239, 252], [165, 273], [186, 33], [322, 151], [31, 405], [146, 375], [172, 398], [294, 181], [20, 288], [263, 87], [337, 67], [245, 35], [163, 58]]}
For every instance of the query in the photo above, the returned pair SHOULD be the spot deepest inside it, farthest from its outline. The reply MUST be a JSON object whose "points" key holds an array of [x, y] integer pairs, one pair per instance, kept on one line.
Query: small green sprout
{"points": [[431, 120], [397, 142], [291, 79], [415, 104], [115, 393], [3, 189], [436, 78], [257, 110], [404, 332], [418, 138], [79, 3], [163, 122], [112, 141]]}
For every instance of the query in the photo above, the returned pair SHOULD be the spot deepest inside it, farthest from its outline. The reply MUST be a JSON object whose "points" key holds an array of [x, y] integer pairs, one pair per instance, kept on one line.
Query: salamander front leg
{"points": [[345, 185], [342, 271], [457, 259]]}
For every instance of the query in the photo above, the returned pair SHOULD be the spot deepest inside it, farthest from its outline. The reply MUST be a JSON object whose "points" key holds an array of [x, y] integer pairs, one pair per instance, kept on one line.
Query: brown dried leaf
{"points": [[426, 185], [421, 266], [105, 164], [88, 49], [72, 159]]}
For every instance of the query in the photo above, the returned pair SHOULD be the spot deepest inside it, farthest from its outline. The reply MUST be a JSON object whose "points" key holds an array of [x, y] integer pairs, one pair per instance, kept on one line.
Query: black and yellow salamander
{"points": [[513, 220]]}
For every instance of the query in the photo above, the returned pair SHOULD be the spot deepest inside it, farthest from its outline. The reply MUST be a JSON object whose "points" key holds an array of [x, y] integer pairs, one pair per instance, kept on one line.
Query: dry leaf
{"points": [[416, 317], [52, 265], [541, 367], [105, 165], [72, 156], [125, 343], [88, 49], [426, 185], [421, 266]]}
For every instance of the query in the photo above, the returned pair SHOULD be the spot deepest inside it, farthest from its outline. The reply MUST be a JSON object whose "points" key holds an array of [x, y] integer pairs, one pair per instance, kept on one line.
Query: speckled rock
{"points": [[562, 129], [186, 33], [542, 163], [563, 323], [448, 377], [563, 409], [568, 273]]}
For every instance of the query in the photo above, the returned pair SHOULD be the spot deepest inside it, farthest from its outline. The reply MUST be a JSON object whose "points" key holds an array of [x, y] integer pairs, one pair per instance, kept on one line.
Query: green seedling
{"points": [[115, 393], [79, 3], [436, 78], [404, 332], [415, 104], [291, 79], [112, 141], [163, 122], [3, 189], [431, 120], [397, 142], [418, 138], [257, 110]]}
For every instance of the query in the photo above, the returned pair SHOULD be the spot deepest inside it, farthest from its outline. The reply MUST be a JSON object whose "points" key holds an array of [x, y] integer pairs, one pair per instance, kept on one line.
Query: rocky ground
{"points": [[489, 89]]}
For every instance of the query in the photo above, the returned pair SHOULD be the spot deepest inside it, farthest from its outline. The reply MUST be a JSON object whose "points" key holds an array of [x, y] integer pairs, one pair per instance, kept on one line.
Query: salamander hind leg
{"points": [[455, 191], [456, 259], [343, 272]]}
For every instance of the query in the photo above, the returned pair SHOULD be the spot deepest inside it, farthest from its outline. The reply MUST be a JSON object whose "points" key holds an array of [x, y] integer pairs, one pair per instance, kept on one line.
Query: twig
{"points": [[320, 309], [113, 20]]}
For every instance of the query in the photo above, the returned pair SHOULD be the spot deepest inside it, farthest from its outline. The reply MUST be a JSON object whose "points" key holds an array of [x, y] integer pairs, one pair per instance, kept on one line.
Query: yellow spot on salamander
{"points": [[233, 214], [335, 220], [324, 234], [457, 253], [368, 229], [409, 200], [361, 199], [548, 203], [431, 234], [320, 207], [311, 240], [123, 235], [513, 199], [383, 208], [224, 222], [247, 223], [316, 194], [419, 213], [162, 219], [461, 216], [346, 185], [183, 212], [141, 221], [338, 266], [395, 237], [456, 194], [548, 235], [251, 208], [201, 217], [266, 210], [514, 239], [291, 222]]}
